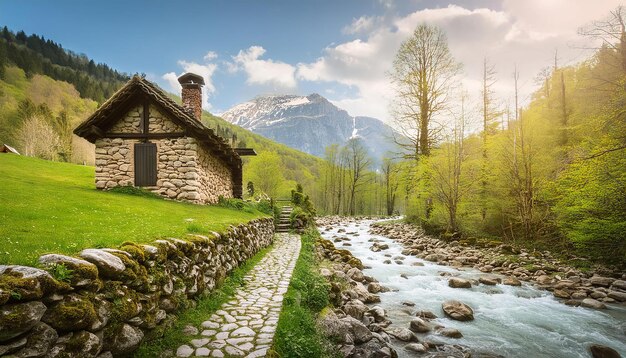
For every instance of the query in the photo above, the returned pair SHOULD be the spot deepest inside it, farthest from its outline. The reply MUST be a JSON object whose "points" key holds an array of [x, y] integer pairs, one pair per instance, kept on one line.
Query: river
{"points": [[510, 321]]}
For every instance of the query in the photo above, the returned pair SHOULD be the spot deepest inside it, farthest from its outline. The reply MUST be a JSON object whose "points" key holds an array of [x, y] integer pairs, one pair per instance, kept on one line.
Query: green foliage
{"points": [[54, 207], [206, 305], [35, 55], [57, 108], [265, 206], [61, 272], [232, 203], [303, 210], [296, 334], [553, 177]]}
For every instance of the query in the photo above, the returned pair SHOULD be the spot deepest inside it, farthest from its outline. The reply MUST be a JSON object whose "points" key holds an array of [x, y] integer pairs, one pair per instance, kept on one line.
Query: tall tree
{"points": [[611, 31], [391, 182], [489, 114], [266, 173], [447, 169], [359, 163], [423, 73]]}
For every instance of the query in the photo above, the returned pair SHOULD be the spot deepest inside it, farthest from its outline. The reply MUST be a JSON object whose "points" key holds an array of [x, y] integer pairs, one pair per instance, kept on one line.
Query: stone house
{"points": [[143, 138]]}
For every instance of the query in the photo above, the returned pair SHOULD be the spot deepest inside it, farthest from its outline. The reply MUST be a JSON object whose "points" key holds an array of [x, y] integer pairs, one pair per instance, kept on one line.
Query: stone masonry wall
{"points": [[215, 177], [185, 170], [113, 299]]}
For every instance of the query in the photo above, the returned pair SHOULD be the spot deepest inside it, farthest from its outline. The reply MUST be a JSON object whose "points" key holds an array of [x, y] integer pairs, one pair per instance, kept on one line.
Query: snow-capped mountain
{"points": [[309, 124]]}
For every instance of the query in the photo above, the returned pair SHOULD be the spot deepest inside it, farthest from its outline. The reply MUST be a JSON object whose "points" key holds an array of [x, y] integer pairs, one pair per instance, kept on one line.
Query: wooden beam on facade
{"points": [[145, 136], [146, 119]]}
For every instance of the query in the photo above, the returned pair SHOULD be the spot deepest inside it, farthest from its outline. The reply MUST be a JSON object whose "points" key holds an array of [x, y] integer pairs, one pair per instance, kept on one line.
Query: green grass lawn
{"points": [[51, 207]]}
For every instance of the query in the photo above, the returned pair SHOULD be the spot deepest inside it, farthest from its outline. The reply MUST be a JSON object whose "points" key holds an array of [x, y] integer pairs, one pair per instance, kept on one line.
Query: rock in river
{"points": [[419, 325], [599, 351], [458, 310], [512, 281], [456, 282], [450, 332]]}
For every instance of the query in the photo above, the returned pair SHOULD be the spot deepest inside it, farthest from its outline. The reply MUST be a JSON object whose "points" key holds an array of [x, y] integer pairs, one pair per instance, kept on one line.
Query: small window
{"points": [[145, 164]]}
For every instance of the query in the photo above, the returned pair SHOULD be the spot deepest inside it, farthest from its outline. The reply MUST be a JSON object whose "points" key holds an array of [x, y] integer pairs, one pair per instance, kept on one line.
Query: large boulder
{"points": [[601, 281], [511, 281], [378, 313], [12, 346], [450, 332], [375, 287], [19, 318], [38, 341], [591, 303], [108, 264], [617, 295], [355, 308], [419, 325], [123, 340], [25, 283], [403, 334], [487, 280], [359, 332], [355, 274], [74, 312], [457, 310], [456, 282], [333, 327], [424, 314], [82, 272], [619, 285], [600, 351]]}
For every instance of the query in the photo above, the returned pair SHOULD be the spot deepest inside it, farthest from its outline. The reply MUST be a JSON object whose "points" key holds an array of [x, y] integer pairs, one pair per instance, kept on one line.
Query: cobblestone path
{"points": [[245, 325]]}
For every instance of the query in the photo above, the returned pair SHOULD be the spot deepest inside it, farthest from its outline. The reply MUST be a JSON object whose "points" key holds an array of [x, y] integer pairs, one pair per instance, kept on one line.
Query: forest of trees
{"points": [[550, 175], [36, 55]]}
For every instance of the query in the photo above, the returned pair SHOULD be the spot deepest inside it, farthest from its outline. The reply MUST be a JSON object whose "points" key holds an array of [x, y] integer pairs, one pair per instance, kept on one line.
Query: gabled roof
{"points": [[137, 89], [5, 148]]}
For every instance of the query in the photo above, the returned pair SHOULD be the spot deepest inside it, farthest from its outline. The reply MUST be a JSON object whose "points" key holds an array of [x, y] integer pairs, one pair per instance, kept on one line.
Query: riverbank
{"points": [[516, 319], [590, 288]]}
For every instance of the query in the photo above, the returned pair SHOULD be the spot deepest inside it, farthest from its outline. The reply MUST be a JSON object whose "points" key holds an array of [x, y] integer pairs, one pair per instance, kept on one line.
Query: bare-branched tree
{"points": [[424, 74]]}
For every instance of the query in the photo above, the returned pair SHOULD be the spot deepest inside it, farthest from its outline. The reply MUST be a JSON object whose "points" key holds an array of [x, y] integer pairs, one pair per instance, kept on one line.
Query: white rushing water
{"points": [[510, 321]]}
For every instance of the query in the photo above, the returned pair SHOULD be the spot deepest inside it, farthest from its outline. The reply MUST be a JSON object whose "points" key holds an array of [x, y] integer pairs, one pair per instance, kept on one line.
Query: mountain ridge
{"points": [[309, 123]]}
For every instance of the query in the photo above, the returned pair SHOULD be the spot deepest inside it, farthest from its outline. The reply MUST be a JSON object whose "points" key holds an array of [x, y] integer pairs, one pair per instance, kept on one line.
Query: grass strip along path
{"points": [[52, 207], [307, 296], [245, 325]]}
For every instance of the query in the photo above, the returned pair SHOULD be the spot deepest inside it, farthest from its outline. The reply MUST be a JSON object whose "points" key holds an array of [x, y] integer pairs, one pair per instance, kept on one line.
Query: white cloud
{"points": [[522, 33], [205, 70], [360, 25], [211, 55], [278, 74], [172, 81]]}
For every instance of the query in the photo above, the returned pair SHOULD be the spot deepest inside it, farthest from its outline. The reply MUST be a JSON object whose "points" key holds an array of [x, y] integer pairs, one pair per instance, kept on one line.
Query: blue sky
{"points": [[340, 49]]}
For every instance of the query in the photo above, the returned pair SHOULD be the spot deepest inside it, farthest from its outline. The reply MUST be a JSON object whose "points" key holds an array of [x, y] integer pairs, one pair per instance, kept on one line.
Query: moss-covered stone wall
{"points": [[105, 302]]}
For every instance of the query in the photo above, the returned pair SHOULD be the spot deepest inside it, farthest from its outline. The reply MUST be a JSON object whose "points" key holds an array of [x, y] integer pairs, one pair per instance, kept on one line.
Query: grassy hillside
{"points": [[54, 207], [41, 92]]}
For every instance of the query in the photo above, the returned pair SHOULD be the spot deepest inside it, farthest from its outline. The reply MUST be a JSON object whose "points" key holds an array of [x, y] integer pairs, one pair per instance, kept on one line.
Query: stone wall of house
{"points": [[186, 170], [215, 177], [113, 299]]}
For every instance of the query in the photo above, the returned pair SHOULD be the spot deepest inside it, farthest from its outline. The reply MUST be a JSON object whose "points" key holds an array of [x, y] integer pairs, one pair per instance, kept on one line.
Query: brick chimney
{"points": [[192, 93]]}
